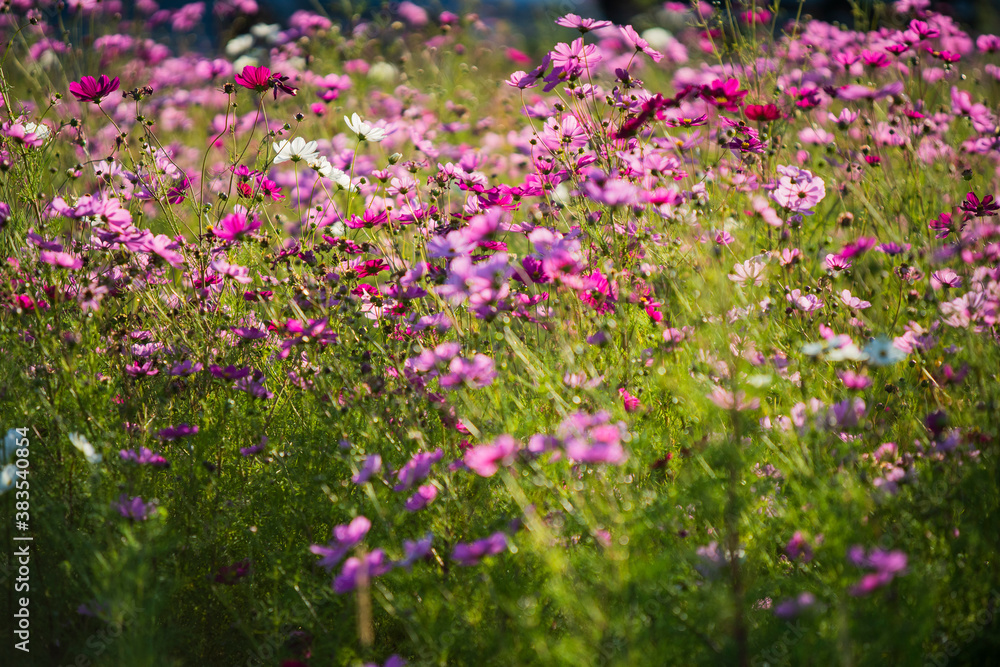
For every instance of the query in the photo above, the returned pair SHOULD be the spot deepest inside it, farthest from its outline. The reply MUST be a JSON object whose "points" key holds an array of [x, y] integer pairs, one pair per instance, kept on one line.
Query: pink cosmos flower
{"points": [[237, 224], [581, 24], [89, 89], [945, 278], [61, 259], [837, 263], [852, 301], [729, 401], [639, 44], [630, 403], [485, 460], [804, 302], [749, 271], [855, 381], [798, 190], [887, 565]]}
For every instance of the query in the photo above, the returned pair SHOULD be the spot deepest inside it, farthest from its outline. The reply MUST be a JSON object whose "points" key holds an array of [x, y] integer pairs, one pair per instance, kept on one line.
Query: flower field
{"points": [[402, 339]]}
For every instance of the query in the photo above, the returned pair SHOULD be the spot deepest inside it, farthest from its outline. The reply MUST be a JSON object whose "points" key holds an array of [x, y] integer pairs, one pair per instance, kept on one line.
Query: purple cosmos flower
{"points": [[355, 570], [145, 456], [175, 432], [471, 553], [417, 468], [424, 496], [230, 372], [415, 551], [798, 548], [134, 508], [255, 449], [794, 606], [89, 89], [184, 369], [231, 574], [253, 387], [475, 373], [892, 249], [345, 537], [371, 466], [855, 248]]}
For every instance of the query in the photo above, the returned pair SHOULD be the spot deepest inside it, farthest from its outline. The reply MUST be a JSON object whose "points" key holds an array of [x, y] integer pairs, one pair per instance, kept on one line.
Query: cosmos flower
{"points": [[980, 208], [134, 508], [364, 130], [471, 553], [237, 224], [881, 352], [89, 89], [639, 44], [356, 570], [485, 460], [582, 24], [296, 150], [261, 79], [750, 271], [724, 95]]}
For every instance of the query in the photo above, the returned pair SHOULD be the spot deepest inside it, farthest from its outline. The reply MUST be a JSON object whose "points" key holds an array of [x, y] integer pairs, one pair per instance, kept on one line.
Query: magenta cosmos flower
{"points": [[261, 79], [237, 224], [89, 89], [980, 208]]}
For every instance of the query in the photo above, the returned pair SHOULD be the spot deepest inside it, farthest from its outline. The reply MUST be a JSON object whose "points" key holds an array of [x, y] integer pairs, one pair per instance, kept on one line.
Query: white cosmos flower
{"points": [[363, 129], [295, 150], [7, 478], [81, 443], [238, 45], [40, 130], [327, 170]]}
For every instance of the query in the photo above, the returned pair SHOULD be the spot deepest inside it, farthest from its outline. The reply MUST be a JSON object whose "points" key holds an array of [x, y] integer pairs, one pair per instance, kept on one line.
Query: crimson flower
{"points": [[764, 112], [980, 209], [89, 89], [261, 79]]}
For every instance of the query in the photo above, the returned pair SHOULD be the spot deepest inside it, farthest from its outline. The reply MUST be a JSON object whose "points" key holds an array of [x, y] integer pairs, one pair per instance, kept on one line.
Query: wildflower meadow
{"points": [[410, 336]]}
